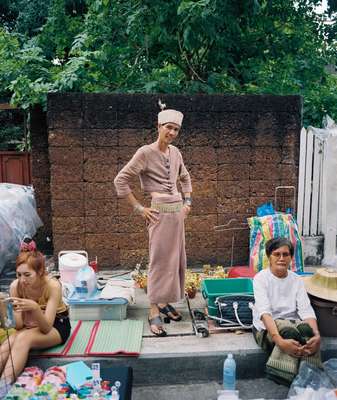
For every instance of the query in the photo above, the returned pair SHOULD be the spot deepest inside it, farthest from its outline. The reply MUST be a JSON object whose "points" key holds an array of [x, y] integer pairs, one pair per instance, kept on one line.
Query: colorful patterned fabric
{"points": [[273, 226]]}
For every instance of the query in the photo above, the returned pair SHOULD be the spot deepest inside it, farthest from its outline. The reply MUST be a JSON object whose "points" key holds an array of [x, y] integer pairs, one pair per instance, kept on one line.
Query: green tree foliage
{"points": [[176, 46]]}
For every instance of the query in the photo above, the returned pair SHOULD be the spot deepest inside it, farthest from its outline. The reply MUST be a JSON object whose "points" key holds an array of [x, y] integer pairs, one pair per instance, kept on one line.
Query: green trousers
{"points": [[282, 367]]}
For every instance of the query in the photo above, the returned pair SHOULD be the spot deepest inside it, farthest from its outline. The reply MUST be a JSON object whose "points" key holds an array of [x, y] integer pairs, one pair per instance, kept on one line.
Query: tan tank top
{"points": [[27, 316]]}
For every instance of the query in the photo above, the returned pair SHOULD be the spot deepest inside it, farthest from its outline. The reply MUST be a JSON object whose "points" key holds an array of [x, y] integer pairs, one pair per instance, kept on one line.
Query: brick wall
{"points": [[237, 149]]}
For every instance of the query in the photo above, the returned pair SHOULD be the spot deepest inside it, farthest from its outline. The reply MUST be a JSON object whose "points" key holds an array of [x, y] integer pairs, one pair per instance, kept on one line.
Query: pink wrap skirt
{"points": [[167, 256]]}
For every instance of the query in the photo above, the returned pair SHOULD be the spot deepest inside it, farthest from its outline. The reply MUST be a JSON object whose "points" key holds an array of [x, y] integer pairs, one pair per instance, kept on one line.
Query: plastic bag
{"points": [[330, 368], [273, 226], [265, 209], [310, 377], [18, 219]]}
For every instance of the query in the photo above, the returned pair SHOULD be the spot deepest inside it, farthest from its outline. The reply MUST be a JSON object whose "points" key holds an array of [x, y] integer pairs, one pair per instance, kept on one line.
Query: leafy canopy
{"points": [[176, 46]]}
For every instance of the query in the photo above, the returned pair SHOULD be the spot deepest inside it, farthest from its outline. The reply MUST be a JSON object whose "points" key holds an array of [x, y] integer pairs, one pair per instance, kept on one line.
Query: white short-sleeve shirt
{"points": [[280, 297]]}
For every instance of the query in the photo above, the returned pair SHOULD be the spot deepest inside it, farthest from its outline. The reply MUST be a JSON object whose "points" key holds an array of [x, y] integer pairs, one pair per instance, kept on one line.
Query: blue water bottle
{"points": [[229, 373]]}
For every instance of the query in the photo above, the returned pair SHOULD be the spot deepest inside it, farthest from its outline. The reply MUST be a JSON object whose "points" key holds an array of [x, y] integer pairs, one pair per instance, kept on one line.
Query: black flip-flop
{"points": [[158, 323], [170, 309]]}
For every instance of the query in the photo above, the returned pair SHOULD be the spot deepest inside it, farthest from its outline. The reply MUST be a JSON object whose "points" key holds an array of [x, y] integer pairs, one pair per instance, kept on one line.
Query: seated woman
{"points": [[41, 317], [284, 322]]}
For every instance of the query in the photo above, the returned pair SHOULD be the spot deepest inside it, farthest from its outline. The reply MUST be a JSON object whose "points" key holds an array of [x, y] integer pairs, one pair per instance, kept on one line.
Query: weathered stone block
{"points": [[69, 225], [233, 154], [100, 138], [201, 239], [61, 174], [104, 155], [67, 156], [136, 137], [263, 188], [64, 110], [233, 172], [232, 205], [290, 155], [108, 259], [94, 171], [125, 154], [200, 155], [133, 241], [205, 188], [67, 208], [129, 258], [100, 207], [65, 241], [131, 223], [99, 190], [204, 205], [98, 242], [200, 223], [205, 172], [105, 224], [230, 189], [266, 154], [199, 256], [68, 191], [264, 171], [65, 137]]}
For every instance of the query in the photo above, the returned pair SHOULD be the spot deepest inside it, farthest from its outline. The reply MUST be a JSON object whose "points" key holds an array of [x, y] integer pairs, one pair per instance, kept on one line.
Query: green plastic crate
{"points": [[213, 288]]}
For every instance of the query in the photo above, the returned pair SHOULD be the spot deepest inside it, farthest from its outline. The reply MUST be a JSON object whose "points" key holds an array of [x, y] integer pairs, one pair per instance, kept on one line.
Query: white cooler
{"points": [[70, 262]]}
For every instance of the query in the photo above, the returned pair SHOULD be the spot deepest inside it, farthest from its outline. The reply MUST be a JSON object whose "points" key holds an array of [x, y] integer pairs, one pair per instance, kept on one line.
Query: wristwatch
{"points": [[187, 201]]}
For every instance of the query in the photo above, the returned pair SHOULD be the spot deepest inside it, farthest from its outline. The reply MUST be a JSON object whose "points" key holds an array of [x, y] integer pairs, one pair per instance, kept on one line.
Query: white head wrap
{"points": [[173, 116]]}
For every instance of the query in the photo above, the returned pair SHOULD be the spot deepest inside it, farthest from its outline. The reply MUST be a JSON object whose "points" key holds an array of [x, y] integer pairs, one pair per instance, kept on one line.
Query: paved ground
{"points": [[248, 389]]}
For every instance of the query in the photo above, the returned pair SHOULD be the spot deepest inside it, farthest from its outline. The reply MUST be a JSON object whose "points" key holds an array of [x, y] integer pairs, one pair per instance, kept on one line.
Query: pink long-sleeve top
{"points": [[157, 172]]}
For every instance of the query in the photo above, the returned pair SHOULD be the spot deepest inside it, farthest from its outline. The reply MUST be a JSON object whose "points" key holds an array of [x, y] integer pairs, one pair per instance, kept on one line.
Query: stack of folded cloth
{"points": [[119, 288]]}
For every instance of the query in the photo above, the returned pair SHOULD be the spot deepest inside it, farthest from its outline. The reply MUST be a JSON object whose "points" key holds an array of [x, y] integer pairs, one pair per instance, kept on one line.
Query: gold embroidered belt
{"points": [[167, 207]]}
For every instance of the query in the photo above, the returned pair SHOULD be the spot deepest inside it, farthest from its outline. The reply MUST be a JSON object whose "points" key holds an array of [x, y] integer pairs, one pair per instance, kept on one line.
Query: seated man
{"points": [[283, 315]]}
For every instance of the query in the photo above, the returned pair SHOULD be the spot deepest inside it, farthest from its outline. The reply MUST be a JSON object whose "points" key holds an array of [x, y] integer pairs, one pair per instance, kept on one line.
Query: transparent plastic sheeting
{"points": [[315, 384], [18, 219]]}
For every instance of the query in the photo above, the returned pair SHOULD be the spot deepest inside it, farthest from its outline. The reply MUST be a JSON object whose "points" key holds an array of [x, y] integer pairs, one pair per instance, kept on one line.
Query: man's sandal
{"points": [[156, 321], [167, 310]]}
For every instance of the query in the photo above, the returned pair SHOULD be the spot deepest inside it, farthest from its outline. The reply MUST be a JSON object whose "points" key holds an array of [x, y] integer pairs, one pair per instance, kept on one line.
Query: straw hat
{"points": [[323, 284]]}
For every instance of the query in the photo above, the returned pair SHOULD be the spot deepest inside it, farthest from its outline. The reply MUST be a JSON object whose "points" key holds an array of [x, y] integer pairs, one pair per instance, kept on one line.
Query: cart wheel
{"points": [[203, 332]]}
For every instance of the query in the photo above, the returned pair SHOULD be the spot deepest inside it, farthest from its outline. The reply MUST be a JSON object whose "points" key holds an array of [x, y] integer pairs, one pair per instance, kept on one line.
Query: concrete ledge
{"points": [[173, 366]]}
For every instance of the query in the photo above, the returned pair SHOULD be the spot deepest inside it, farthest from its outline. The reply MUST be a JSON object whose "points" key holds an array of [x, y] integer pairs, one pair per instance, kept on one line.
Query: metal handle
{"points": [[235, 307], [83, 252]]}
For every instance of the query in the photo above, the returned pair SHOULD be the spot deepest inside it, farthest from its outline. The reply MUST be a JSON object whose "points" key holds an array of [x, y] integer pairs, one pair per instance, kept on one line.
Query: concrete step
{"points": [[182, 357], [248, 389]]}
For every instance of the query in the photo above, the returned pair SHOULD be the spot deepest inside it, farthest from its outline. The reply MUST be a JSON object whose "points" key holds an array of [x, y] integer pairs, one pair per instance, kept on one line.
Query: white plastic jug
{"points": [[85, 282]]}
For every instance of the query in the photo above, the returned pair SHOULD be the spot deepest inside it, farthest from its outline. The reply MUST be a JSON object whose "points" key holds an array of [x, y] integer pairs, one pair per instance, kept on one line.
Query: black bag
{"points": [[235, 310]]}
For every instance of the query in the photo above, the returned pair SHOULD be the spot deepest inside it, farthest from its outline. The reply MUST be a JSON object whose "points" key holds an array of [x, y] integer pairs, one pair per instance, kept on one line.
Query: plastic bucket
{"points": [[326, 313], [70, 262]]}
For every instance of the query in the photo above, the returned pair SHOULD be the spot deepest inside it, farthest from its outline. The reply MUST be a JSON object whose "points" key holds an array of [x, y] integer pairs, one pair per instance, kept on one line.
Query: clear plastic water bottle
{"points": [[229, 373]]}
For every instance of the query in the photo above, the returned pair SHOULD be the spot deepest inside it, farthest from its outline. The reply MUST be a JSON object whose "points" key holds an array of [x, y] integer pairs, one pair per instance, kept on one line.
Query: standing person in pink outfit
{"points": [[159, 165]]}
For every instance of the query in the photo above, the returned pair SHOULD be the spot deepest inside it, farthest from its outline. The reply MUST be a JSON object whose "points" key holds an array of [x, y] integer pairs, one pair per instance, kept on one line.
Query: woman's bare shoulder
{"points": [[14, 284], [13, 288], [53, 284]]}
